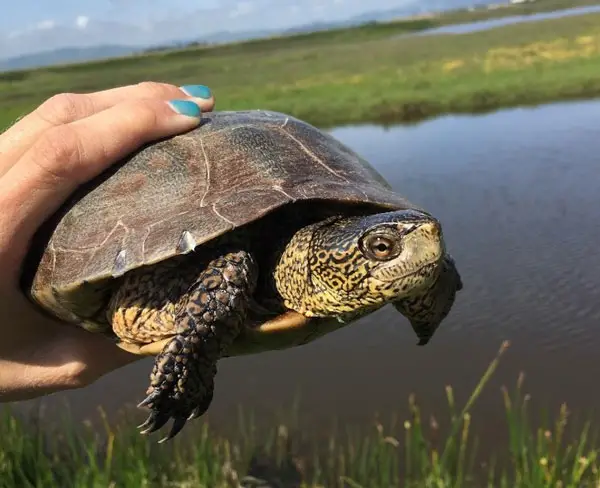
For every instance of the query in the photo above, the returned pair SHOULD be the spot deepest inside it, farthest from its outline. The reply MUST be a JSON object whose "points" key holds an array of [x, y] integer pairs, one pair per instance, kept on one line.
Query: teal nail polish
{"points": [[197, 91], [186, 107]]}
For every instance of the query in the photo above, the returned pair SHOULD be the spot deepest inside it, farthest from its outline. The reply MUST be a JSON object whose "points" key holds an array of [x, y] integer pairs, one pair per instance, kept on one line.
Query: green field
{"points": [[418, 451], [369, 73]]}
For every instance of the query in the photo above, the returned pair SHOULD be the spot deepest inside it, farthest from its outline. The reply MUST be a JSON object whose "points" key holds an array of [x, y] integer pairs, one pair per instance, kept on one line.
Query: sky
{"points": [[34, 25]]}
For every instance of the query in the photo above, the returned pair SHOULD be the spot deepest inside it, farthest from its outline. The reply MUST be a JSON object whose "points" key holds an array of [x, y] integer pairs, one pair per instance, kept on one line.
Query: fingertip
{"points": [[201, 94], [186, 107], [197, 91]]}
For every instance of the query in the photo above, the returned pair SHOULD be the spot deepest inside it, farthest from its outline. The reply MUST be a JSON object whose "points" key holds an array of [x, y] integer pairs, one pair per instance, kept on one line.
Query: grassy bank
{"points": [[354, 78], [399, 454]]}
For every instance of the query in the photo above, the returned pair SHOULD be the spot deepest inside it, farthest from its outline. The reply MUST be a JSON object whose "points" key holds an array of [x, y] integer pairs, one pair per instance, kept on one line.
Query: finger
{"points": [[67, 155], [69, 107]]}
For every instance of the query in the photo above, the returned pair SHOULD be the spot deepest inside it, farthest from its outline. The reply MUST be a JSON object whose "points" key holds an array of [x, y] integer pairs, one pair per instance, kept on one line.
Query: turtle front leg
{"points": [[427, 310], [208, 317]]}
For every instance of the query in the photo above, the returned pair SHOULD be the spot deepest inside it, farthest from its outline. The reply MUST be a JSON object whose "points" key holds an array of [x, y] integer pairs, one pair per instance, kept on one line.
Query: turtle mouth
{"points": [[392, 272], [424, 269], [428, 266]]}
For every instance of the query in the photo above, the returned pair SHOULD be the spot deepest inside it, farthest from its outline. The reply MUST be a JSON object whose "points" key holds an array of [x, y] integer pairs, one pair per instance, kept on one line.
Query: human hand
{"points": [[44, 157]]}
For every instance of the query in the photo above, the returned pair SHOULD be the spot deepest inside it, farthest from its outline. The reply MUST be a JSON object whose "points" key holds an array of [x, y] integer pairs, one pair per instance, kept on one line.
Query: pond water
{"points": [[513, 19], [518, 194]]}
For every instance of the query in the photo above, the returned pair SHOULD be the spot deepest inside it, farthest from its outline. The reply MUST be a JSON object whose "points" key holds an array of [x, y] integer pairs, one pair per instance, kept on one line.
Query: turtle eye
{"points": [[381, 247]]}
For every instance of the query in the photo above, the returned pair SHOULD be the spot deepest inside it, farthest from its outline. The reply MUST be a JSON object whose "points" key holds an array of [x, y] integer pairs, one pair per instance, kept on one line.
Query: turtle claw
{"points": [[166, 402], [154, 422], [178, 424], [197, 412], [149, 400]]}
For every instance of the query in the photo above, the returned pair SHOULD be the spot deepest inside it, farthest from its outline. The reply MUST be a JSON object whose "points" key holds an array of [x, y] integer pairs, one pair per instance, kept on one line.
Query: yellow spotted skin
{"points": [[142, 312], [325, 271]]}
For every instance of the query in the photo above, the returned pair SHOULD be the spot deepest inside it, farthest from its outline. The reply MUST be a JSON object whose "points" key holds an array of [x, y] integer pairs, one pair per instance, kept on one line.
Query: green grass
{"points": [[412, 453], [354, 75]]}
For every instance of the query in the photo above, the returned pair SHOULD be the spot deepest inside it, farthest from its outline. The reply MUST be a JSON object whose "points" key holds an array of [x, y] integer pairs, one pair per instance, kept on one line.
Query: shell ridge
{"points": [[207, 177], [222, 217], [313, 156]]}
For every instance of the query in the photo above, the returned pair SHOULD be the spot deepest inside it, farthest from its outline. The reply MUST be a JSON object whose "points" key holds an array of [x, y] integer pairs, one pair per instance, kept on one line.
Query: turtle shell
{"points": [[178, 193]]}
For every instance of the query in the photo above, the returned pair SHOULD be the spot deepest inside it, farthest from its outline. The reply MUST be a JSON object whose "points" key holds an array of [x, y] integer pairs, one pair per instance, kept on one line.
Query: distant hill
{"points": [[65, 55], [87, 52]]}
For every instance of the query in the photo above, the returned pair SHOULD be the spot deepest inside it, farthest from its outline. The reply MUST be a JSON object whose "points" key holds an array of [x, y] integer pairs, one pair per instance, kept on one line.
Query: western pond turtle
{"points": [[254, 231]]}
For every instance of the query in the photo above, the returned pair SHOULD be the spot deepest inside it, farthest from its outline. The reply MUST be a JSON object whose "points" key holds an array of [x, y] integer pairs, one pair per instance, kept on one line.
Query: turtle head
{"points": [[346, 267]]}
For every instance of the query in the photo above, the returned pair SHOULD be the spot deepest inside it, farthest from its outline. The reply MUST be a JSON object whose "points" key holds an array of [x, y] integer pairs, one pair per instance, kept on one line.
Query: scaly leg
{"points": [[208, 317]]}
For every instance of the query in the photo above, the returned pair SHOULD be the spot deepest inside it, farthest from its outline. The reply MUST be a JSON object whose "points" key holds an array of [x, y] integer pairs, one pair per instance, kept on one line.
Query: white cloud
{"points": [[242, 8], [45, 24], [82, 21]]}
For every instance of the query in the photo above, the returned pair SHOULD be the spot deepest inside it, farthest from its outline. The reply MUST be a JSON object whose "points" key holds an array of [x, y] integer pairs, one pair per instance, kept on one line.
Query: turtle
{"points": [[254, 231]]}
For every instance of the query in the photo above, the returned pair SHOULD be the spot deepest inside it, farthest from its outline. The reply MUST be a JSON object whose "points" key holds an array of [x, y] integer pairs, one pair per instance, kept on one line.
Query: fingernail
{"points": [[186, 107], [199, 91]]}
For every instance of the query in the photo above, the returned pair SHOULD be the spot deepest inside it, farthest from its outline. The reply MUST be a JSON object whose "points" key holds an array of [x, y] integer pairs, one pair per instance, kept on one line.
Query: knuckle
{"points": [[62, 108], [155, 88], [142, 114], [58, 154]]}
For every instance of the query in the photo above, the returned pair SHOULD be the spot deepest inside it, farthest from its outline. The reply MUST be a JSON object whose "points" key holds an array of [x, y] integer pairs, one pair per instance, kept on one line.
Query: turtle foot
{"points": [[181, 387], [211, 313]]}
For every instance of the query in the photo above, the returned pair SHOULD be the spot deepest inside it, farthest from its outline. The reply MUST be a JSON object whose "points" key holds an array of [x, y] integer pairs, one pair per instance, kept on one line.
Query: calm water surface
{"points": [[518, 192]]}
